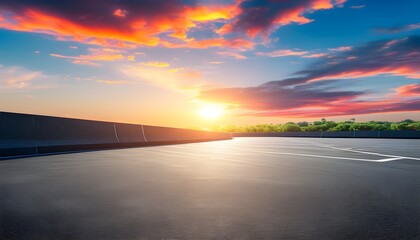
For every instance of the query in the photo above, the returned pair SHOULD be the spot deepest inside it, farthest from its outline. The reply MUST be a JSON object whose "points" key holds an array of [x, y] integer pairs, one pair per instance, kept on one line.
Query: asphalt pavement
{"points": [[245, 188]]}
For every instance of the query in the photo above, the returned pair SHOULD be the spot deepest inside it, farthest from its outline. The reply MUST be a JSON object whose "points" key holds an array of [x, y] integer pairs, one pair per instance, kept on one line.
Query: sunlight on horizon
{"points": [[211, 111]]}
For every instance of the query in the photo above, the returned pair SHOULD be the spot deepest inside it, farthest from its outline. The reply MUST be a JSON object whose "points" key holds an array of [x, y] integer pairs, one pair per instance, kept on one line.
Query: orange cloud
{"points": [[36, 21], [120, 13], [236, 43], [133, 27], [188, 74], [409, 90], [156, 64], [203, 13], [345, 108], [322, 4], [103, 55], [405, 71], [130, 24]]}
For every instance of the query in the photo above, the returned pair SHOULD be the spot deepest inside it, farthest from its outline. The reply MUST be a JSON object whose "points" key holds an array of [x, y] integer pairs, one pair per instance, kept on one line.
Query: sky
{"points": [[200, 63]]}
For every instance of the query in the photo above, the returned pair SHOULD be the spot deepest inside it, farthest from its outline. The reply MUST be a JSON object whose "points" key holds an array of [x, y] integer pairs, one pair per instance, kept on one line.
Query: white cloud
{"points": [[19, 78]]}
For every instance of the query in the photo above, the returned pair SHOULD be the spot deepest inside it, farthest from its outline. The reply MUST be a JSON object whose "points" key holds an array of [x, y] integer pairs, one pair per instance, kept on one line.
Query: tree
{"points": [[361, 127], [317, 126], [303, 124], [313, 128], [414, 126], [342, 126], [408, 121], [291, 127], [318, 123]]}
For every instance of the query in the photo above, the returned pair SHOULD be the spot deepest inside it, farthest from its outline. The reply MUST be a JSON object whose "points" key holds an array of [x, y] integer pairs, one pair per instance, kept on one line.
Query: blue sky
{"points": [[106, 60]]}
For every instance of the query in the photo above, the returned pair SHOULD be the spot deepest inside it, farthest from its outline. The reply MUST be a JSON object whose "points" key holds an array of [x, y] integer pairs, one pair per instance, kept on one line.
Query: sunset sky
{"points": [[197, 63]]}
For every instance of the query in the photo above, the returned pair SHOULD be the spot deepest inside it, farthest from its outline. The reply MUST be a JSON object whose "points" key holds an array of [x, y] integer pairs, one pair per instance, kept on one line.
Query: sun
{"points": [[211, 111]]}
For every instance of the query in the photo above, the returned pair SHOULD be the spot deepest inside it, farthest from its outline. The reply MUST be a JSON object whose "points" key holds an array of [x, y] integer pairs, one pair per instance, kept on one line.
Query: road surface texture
{"points": [[246, 188]]}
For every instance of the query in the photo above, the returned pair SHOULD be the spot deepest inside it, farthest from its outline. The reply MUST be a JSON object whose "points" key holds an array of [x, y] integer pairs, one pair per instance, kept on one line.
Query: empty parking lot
{"points": [[245, 188]]}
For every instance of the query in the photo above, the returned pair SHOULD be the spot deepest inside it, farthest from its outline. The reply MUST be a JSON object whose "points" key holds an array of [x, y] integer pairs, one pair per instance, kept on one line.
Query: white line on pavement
{"points": [[316, 156], [369, 153]]}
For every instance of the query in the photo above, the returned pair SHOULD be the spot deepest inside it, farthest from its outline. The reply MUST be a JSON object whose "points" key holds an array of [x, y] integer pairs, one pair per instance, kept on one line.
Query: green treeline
{"points": [[325, 125]]}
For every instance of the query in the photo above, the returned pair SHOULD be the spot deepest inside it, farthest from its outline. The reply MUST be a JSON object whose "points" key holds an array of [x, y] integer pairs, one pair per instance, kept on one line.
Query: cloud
{"points": [[95, 55], [288, 52], [264, 97], [120, 13], [315, 55], [358, 6], [156, 64], [174, 78], [234, 43], [308, 101], [127, 23], [397, 57], [263, 16], [307, 96], [134, 23], [232, 54], [410, 90], [216, 62], [343, 48], [398, 29], [282, 53], [345, 109], [114, 82], [18, 78]]}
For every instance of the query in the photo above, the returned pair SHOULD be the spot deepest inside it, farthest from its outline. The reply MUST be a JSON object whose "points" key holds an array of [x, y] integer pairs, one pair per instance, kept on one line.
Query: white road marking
{"points": [[320, 156], [388, 159], [369, 153]]}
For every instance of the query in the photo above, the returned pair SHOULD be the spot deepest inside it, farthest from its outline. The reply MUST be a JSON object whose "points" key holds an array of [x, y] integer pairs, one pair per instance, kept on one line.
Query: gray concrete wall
{"points": [[22, 134], [344, 134]]}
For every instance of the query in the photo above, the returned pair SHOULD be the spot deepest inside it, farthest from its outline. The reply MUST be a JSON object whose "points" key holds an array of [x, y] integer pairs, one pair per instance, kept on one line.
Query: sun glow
{"points": [[211, 111]]}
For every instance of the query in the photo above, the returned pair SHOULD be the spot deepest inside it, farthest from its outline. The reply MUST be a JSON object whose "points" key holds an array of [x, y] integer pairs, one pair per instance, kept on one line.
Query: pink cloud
{"points": [[282, 53], [410, 90], [315, 55], [232, 54]]}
